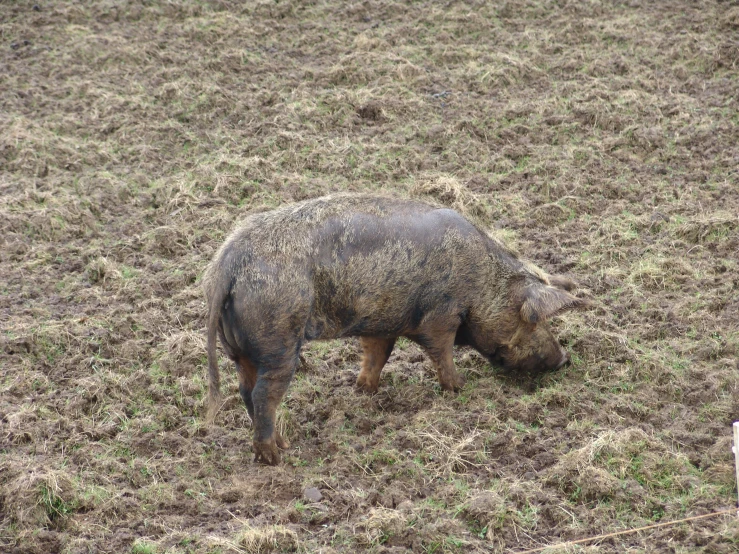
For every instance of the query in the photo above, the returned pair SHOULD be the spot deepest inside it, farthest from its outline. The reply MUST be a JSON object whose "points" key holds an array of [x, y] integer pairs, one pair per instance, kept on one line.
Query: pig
{"points": [[377, 268]]}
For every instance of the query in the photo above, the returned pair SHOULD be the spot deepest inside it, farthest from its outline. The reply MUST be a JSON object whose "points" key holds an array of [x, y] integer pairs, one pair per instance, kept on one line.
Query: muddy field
{"points": [[599, 139]]}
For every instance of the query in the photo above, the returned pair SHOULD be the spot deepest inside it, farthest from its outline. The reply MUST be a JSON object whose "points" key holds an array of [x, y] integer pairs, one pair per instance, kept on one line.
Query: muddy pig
{"points": [[376, 268]]}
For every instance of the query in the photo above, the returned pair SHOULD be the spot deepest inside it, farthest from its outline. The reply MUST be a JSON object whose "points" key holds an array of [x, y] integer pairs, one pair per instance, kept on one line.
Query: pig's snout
{"points": [[565, 358]]}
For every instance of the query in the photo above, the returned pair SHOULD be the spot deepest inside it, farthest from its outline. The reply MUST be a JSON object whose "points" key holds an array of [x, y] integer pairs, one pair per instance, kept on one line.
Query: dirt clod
{"points": [[312, 494]]}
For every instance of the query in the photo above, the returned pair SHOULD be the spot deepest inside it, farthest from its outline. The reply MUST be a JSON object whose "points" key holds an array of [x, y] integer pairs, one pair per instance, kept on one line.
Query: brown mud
{"points": [[600, 139]]}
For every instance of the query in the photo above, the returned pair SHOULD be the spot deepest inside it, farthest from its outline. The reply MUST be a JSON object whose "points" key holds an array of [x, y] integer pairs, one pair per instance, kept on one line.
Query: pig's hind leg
{"points": [[247, 374], [375, 352], [270, 387]]}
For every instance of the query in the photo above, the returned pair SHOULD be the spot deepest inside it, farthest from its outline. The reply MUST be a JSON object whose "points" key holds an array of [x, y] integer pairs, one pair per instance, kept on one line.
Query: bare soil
{"points": [[600, 139]]}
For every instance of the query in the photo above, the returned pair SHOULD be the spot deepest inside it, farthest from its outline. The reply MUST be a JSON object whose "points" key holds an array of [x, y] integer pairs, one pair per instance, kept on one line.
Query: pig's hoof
{"points": [[454, 385], [364, 384], [282, 443], [266, 452], [461, 381]]}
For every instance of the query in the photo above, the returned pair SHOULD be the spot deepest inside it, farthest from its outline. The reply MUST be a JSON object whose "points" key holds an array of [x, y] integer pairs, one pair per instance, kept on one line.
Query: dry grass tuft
{"points": [[182, 352], [623, 465], [104, 271], [450, 192], [276, 538], [710, 228], [285, 423], [379, 525], [654, 273], [260, 540], [446, 455], [41, 498]]}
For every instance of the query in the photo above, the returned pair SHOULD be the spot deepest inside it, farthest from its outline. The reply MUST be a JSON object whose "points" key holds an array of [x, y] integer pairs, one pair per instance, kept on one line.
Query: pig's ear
{"points": [[562, 282], [542, 302]]}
